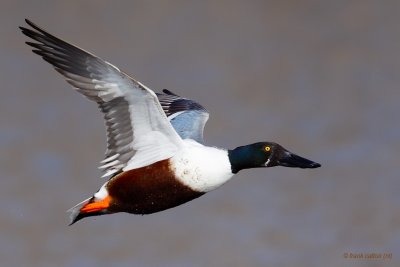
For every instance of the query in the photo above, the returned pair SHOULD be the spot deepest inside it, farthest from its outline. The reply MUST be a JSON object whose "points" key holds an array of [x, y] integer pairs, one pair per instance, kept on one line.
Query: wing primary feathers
{"points": [[135, 121]]}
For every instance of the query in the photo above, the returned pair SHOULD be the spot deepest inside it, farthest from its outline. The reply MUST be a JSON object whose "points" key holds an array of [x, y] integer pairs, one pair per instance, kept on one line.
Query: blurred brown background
{"points": [[320, 77]]}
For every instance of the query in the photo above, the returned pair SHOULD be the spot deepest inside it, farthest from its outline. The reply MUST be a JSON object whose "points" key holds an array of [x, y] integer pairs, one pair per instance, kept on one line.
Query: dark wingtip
{"points": [[29, 32], [30, 23], [168, 92]]}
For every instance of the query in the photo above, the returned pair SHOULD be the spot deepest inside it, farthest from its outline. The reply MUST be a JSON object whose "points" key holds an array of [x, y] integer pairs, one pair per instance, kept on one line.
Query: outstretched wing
{"points": [[186, 116], [138, 131]]}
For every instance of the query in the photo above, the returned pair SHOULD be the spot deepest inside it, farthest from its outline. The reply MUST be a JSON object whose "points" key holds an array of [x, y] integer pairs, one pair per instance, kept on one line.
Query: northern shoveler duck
{"points": [[155, 158]]}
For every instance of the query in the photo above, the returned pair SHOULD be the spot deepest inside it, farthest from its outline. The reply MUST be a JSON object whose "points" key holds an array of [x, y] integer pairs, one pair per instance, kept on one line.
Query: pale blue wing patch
{"points": [[190, 124], [186, 116]]}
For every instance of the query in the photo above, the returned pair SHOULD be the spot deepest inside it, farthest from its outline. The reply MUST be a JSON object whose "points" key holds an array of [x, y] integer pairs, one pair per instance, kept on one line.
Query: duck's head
{"points": [[266, 154]]}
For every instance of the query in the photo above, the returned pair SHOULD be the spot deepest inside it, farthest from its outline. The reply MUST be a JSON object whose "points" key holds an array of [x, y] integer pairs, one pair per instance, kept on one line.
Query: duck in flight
{"points": [[155, 157]]}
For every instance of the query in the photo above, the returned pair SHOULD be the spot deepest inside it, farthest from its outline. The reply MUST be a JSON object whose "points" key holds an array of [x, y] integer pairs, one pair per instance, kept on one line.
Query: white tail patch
{"points": [[102, 193]]}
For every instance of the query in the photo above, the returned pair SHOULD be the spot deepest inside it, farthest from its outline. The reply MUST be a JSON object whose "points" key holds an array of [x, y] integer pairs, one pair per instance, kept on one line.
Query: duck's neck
{"points": [[243, 157]]}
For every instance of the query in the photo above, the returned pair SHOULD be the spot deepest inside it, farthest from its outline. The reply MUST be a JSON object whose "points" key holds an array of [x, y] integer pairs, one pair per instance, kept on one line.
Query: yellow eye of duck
{"points": [[267, 148]]}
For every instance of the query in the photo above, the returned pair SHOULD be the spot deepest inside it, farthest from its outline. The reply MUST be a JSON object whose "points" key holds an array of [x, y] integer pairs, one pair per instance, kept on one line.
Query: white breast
{"points": [[200, 167]]}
